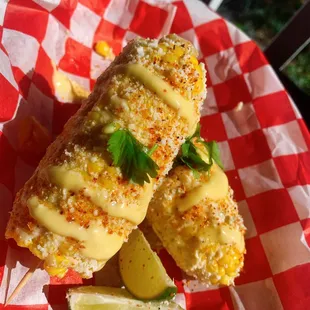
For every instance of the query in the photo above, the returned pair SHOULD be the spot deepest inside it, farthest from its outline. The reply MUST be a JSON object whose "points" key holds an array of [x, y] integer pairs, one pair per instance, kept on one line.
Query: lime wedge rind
{"points": [[108, 298]]}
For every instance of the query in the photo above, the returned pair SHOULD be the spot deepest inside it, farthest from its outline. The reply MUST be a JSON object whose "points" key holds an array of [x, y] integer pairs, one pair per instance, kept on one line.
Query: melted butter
{"points": [[224, 235], [75, 182], [163, 90], [97, 242], [215, 188], [63, 88], [67, 90]]}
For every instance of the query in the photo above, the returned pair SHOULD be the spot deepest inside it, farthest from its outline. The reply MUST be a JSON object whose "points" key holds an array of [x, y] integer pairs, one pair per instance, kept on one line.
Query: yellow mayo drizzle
{"points": [[215, 188], [224, 235], [67, 90], [163, 90], [74, 181], [97, 242]]}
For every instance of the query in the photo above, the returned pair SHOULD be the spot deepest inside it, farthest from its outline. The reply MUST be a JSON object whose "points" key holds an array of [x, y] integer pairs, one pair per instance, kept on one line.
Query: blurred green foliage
{"points": [[262, 20], [299, 70]]}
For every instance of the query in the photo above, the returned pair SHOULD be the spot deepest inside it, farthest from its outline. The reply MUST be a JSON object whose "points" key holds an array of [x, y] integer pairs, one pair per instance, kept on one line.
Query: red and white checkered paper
{"points": [[265, 144]]}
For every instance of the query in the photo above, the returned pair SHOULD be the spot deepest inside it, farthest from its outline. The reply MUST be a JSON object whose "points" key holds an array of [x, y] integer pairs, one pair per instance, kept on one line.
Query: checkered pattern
{"points": [[264, 142]]}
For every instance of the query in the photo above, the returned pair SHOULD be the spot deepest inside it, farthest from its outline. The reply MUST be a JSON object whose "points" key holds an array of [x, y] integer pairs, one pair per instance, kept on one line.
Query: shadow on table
{"points": [[56, 291], [56, 295], [17, 166], [14, 256], [14, 174]]}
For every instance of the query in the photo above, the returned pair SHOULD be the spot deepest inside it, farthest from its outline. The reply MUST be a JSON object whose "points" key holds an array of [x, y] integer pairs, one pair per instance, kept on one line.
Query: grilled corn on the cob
{"points": [[77, 209], [198, 222]]}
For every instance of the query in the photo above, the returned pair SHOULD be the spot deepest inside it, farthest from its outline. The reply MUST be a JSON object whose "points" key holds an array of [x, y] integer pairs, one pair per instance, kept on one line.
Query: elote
{"points": [[197, 220], [93, 186]]}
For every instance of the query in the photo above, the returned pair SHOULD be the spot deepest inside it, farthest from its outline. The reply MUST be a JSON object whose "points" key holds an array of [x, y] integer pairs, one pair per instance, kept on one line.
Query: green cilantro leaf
{"points": [[128, 154], [214, 152], [191, 158]]}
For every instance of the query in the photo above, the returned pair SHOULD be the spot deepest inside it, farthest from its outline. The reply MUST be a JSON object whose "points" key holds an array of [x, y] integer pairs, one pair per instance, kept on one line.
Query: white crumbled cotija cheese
{"points": [[67, 153], [140, 51]]}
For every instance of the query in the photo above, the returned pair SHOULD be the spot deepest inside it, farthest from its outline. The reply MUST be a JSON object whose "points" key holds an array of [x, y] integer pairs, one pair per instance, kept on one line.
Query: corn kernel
{"points": [[53, 271], [94, 167], [198, 86], [214, 280], [107, 183], [225, 280], [224, 260], [61, 259], [178, 51], [212, 268], [231, 267], [221, 271], [110, 128], [232, 274], [174, 55], [102, 48], [194, 61], [163, 47], [236, 257], [170, 58]]}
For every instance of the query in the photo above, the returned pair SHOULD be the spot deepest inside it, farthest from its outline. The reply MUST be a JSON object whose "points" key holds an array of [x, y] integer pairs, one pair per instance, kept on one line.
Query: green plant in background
{"points": [[262, 20], [299, 70]]}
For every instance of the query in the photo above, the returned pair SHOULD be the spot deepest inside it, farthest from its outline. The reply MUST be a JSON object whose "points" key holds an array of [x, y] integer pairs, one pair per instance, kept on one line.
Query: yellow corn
{"points": [[103, 49], [192, 237], [175, 55], [56, 272], [93, 168], [120, 99], [110, 128]]}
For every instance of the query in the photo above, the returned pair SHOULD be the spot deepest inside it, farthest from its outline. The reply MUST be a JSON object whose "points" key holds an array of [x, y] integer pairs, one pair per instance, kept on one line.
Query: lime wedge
{"points": [[111, 298], [142, 271]]}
